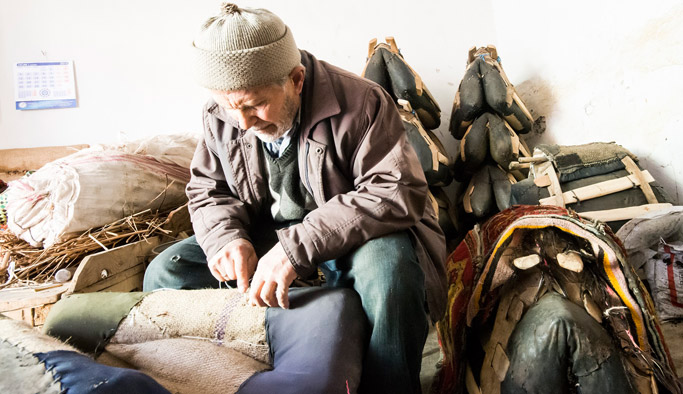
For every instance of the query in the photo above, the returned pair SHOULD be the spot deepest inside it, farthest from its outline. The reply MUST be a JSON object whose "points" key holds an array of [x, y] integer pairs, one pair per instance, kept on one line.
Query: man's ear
{"points": [[298, 74]]}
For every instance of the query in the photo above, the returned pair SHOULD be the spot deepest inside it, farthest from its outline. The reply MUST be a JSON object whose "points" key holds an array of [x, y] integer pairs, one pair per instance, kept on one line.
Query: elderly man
{"points": [[305, 166]]}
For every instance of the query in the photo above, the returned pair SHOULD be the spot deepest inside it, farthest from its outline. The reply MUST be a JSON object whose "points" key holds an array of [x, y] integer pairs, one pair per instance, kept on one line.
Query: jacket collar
{"points": [[318, 99]]}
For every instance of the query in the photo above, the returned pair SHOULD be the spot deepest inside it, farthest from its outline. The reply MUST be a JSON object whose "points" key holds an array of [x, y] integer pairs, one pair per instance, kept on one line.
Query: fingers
{"points": [[217, 269], [255, 290], [282, 294], [236, 260], [268, 293], [244, 269], [274, 274], [222, 268]]}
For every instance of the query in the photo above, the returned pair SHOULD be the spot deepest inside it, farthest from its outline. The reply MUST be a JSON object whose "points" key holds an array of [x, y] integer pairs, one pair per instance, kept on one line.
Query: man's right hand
{"points": [[237, 260]]}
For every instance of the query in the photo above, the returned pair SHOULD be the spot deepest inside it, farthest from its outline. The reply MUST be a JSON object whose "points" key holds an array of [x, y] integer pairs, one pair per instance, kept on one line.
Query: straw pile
{"points": [[25, 265]]}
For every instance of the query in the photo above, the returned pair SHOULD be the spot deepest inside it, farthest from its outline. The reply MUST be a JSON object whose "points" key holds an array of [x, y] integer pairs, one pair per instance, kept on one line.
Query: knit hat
{"points": [[242, 48]]}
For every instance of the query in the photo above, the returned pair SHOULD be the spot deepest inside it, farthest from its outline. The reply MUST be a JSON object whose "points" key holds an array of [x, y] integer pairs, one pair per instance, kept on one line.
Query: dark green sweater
{"points": [[290, 201]]}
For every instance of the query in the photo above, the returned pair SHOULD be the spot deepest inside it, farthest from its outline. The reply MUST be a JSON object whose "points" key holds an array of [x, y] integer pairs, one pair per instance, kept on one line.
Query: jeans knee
{"points": [[391, 255]]}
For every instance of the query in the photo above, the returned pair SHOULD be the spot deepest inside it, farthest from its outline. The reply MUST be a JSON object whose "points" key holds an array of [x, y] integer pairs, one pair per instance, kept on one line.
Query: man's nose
{"points": [[245, 118]]}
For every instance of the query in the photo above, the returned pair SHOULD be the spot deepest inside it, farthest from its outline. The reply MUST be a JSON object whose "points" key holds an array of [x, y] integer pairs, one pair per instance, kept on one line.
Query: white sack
{"points": [[97, 186], [665, 277], [171, 149], [641, 235]]}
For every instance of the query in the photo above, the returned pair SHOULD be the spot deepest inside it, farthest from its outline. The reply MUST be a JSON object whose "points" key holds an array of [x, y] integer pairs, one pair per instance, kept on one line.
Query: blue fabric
{"points": [[316, 345], [79, 374]]}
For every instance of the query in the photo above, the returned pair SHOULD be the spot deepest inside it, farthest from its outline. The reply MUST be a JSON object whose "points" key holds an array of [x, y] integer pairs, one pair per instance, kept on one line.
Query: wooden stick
{"points": [[533, 159], [515, 165], [554, 189], [627, 213], [600, 189], [633, 169]]}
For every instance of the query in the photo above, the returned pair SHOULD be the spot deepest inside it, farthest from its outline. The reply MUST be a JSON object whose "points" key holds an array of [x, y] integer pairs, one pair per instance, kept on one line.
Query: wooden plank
{"points": [[40, 314], [114, 280], [554, 188], [23, 159], [542, 181], [24, 315], [134, 283], [633, 169], [627, 213], [533, 159], [95, 267], [33, 316], [515, 165], [19, 298], [599, 189]]}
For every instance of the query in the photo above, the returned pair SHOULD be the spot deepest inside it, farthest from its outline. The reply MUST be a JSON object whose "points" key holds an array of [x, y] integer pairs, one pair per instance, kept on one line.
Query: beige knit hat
{"points": [[242, 48]]}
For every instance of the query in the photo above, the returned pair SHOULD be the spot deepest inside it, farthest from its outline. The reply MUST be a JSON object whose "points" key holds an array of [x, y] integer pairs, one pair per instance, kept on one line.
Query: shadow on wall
{"points": [[539, 98]]}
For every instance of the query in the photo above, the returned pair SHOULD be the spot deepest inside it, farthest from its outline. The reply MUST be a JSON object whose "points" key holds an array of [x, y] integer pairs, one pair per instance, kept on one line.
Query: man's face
{"points": [[267, 111]]}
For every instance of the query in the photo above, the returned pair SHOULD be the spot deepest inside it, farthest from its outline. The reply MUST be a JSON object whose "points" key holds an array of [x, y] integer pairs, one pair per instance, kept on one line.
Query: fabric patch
{"points": [[88, 321], [580, 161], [23, 373], [79, 374]]}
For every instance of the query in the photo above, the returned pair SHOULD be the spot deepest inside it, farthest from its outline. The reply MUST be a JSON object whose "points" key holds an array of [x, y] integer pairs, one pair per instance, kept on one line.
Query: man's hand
{"points": [[270, 286], [237, 260]]}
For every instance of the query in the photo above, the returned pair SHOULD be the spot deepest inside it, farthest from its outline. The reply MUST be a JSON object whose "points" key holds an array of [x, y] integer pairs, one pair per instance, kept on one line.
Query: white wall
{"points": [[133, 57], [601, 71], [597, 70]]}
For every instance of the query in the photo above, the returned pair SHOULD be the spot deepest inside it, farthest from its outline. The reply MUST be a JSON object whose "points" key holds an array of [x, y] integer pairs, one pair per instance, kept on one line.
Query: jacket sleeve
{"points": [[218, 217], [389, 190]]}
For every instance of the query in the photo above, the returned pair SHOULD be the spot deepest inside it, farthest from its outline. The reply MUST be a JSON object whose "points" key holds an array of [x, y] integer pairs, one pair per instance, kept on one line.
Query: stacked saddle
{"points": [[487, 117], [599, 180], [420, 114]]}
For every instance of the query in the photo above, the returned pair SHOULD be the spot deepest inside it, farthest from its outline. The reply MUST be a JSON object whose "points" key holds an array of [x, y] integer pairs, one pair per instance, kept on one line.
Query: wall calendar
{"points": [[43, 85]]}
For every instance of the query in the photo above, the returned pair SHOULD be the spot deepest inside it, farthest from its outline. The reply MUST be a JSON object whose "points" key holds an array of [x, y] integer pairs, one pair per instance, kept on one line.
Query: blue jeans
{"points": [[384, 272]]}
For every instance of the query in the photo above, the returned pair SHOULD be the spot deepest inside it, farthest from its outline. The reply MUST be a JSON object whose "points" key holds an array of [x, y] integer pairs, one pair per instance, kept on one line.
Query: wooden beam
{"points": [[24, 297], [533, 159], [600, 189], [554, 188], [98, 266], [33, 158], [633, 169], [131, 278], [627, 213]]}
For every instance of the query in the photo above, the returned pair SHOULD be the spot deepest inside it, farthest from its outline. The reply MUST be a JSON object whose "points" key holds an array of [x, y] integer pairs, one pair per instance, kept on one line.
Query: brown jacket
{"points": [[353, 158]]}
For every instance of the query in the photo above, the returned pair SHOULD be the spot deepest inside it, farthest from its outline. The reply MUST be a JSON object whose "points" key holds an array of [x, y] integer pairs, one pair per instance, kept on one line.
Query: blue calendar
{"points": [[43, 85]]}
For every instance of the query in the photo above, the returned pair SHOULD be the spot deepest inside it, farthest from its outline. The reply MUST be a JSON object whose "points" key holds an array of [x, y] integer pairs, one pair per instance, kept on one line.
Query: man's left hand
{"points": [[274, 274]]}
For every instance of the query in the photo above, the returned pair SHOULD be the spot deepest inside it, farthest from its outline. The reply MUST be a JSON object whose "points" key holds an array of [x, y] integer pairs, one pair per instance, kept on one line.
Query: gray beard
{"points": [[265, 137]]}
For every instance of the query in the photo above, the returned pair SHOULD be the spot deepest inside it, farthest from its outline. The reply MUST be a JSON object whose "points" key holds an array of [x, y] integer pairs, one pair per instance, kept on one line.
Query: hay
{"points": [[24, 265]]}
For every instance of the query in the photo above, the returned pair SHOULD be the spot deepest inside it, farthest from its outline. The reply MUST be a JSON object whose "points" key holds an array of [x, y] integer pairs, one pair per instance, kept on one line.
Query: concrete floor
{"points": [[673, 335], [430, 357]]}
